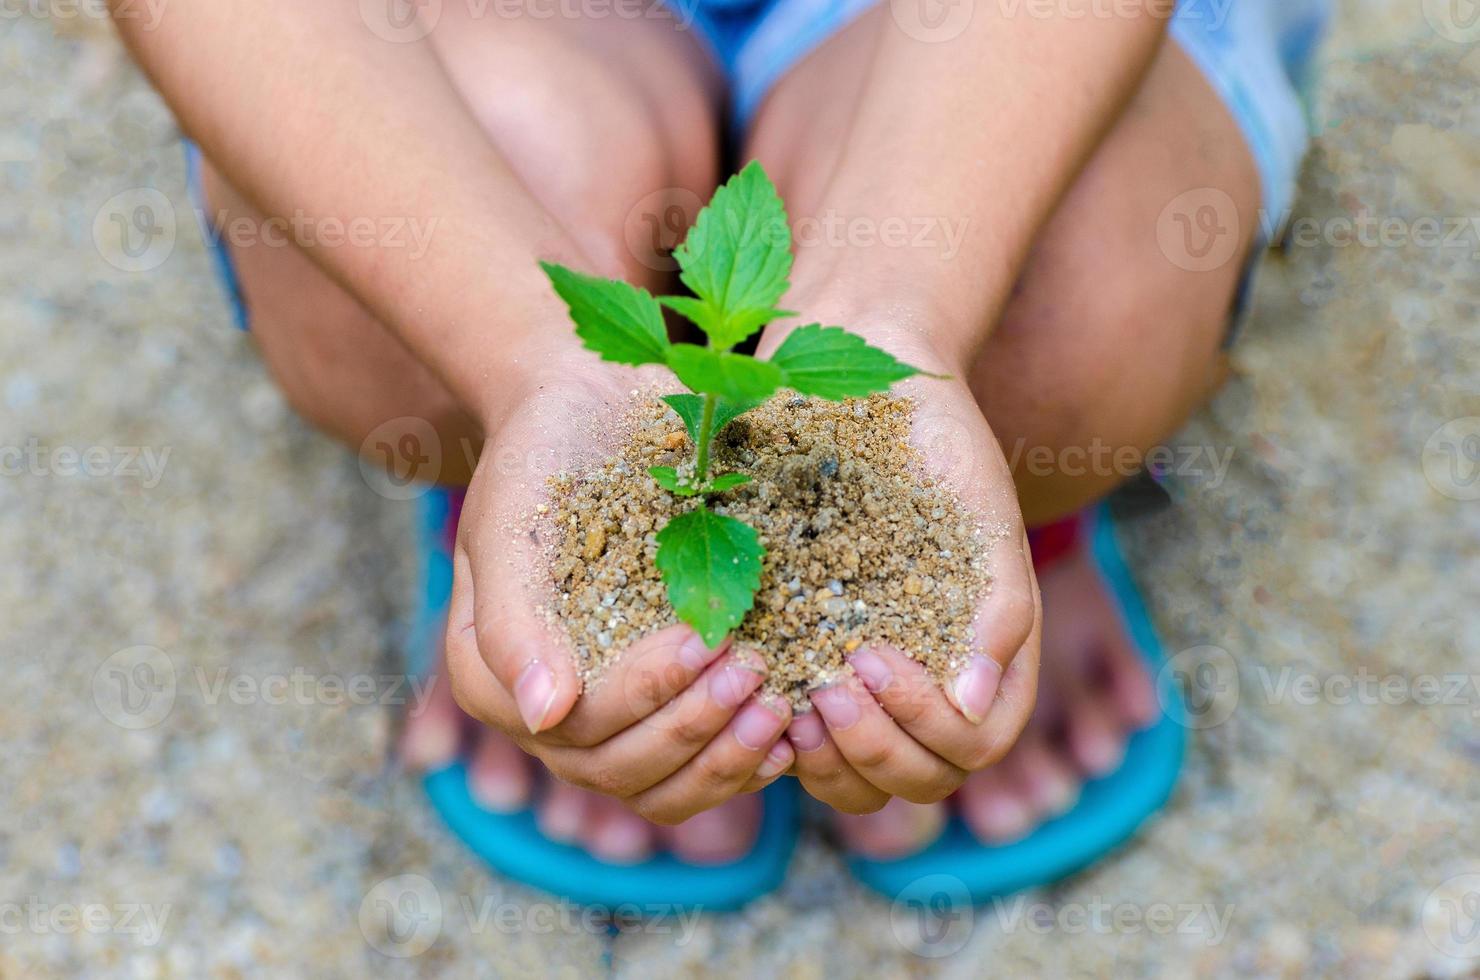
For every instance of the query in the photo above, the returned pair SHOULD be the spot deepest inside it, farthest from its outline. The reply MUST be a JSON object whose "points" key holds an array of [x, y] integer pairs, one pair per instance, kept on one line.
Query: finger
{"points": [[722, 768], [778, 761], [1007, 624], [640, 681], [499, 775], [662, 743], [823, 771], [878, 749], [433, 731], [918, 704]]}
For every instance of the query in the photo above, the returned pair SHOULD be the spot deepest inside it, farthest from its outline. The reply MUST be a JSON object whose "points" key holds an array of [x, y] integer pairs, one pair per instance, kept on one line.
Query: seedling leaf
{"points": [[735, 377], [690, 408], [617, 320], [726, 481], [712, 567], [669, 480], [736, 259], [832, 363]]}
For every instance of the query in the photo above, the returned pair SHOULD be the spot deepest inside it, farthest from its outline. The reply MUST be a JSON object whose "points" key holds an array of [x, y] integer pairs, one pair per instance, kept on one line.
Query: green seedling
{"points": [[735, 260]]}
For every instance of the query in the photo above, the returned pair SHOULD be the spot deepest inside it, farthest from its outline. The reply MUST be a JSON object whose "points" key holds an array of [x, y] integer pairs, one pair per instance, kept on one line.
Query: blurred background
{"points": [[203, 603]]}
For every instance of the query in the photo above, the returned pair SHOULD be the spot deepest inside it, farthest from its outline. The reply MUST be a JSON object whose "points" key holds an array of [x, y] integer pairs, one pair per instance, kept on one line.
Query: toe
{"points": [[898, 829], [499, 774], [1129, 685], [719, 835], [994, 810], [562, 813], [615, 834], [1044, 778], [1094, 735]]}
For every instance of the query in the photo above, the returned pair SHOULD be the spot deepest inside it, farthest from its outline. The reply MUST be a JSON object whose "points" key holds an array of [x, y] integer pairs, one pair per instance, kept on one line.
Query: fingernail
{"points": [[871, 669], [807, 732], [775, 763], [975, 687], [534, 693], [732, 685], [838, 705], [695, 654], [757, 726]]}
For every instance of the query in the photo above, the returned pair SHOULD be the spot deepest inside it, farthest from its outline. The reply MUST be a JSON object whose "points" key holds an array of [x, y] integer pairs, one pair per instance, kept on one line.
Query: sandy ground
{"points": [[1322, 588]]}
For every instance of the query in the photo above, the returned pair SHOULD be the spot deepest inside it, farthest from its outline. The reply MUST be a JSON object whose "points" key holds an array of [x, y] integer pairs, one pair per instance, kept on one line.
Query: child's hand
{"points": [[672, 728], [891, 730]]}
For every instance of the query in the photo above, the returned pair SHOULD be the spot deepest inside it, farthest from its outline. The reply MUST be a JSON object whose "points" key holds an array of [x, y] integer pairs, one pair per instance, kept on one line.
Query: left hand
{"points": [[890, 729]]}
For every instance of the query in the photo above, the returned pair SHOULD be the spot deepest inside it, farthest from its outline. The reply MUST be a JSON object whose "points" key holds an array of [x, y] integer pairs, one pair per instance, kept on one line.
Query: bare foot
{"points": [[503, 779], [1093, 692]]}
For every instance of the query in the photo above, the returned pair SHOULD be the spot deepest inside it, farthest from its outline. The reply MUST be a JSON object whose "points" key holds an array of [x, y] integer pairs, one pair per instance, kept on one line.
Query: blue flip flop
{"points": [[1110, 810], [513, 845]]}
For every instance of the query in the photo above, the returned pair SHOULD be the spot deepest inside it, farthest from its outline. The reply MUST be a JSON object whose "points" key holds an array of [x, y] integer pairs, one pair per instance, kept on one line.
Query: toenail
{"points": [[839, 706], [497, 793], [975, 687], [757, 726]]}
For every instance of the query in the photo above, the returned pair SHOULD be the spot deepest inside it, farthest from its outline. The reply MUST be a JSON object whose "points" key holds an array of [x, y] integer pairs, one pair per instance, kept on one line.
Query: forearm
{"points": [[970, 141], [318, 121]]}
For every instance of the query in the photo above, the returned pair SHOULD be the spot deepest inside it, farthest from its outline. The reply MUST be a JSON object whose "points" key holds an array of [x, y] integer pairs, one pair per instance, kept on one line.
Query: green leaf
{"points": [[726, 481], [830, 362], [690, 408], [736, 377], [712, 567], [712, 321], [736, 258], [617, 320], [669, 480]]}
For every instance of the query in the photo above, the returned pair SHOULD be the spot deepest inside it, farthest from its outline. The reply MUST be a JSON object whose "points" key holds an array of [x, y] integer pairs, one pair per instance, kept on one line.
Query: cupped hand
{"points": [[889, 729], [673, 727]]}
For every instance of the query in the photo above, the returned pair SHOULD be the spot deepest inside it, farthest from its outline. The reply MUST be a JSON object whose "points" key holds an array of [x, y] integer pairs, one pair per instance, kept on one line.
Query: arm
{"points": [[310, 114]]}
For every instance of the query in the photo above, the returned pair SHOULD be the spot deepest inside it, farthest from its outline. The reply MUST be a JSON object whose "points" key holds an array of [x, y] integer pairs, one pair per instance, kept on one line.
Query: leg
{"points": [[1106, 341]]}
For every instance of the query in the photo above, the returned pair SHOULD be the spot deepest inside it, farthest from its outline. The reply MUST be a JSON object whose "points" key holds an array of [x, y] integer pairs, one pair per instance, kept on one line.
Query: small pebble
{"points": [[835, 587]]}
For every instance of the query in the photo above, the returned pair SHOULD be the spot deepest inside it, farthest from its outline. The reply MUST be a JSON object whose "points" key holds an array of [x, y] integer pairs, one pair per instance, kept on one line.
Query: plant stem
{"points": [[706, 422]]}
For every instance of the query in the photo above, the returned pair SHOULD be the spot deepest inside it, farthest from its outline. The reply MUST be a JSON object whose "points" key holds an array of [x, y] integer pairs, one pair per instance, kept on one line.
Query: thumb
{"points": [[516, 643]]}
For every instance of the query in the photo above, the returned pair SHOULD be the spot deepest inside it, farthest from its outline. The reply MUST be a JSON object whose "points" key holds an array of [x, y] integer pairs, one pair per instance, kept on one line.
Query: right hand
{"points": [[672, 728]]}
